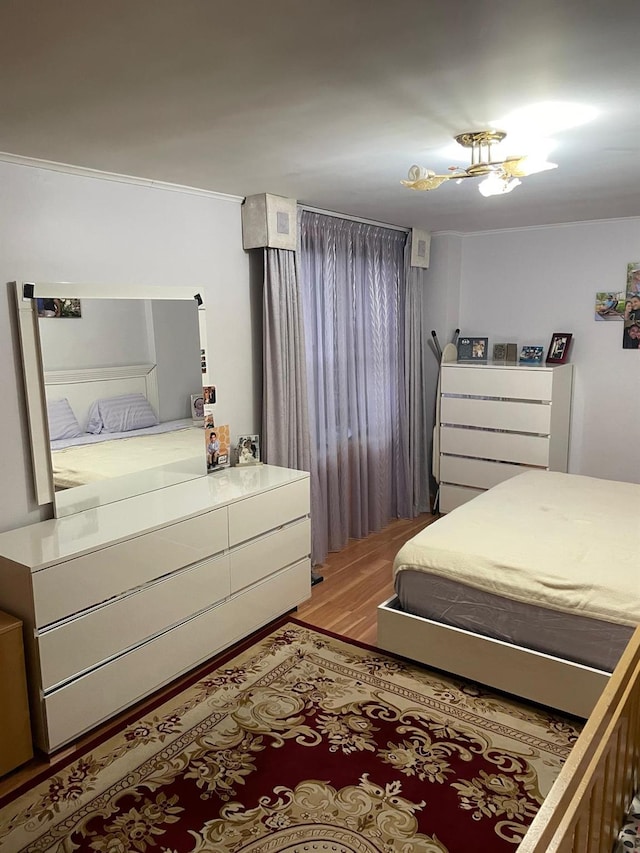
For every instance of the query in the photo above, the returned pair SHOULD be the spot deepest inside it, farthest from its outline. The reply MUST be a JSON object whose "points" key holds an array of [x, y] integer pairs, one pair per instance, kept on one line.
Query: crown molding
{"points": [[80, 171], [574, 224]]}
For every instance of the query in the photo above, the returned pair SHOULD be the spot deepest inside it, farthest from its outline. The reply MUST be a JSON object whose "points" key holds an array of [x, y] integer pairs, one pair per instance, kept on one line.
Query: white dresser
{"points": [[498, 420], [119, 600]]}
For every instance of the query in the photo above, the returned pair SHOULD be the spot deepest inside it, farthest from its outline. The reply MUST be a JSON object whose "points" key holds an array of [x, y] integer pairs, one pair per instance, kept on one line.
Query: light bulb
{"points": [[530, 165], [495, 185], [418, 173]]}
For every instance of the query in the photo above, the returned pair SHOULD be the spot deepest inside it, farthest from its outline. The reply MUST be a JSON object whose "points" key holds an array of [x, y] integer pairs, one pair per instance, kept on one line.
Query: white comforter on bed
{"points": [[77, 466], [563, 541]]}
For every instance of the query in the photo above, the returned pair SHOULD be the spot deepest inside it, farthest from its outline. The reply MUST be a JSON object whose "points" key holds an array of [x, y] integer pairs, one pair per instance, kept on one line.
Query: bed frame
{"points": [[585, 809], [538, 677]]}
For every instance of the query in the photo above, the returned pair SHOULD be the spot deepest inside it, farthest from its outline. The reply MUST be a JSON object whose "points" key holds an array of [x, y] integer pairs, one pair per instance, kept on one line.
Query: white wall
{"points": [[523, 285], [65, 227]]}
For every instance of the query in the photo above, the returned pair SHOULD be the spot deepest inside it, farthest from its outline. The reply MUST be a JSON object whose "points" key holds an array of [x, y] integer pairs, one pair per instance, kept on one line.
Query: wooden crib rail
{"points": [[585, 807]]}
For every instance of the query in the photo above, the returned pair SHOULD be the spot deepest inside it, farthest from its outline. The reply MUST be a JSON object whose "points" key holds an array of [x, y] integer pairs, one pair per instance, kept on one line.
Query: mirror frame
{"points": [[32, 362]]}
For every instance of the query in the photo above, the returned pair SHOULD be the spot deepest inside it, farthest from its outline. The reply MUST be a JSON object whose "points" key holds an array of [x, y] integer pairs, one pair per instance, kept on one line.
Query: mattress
{"points": [[88, 463], [591, 642], [544, 560]]}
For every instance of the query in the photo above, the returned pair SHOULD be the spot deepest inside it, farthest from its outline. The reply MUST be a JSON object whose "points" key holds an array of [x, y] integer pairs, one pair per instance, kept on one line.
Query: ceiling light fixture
{"points": [[501, 176]]}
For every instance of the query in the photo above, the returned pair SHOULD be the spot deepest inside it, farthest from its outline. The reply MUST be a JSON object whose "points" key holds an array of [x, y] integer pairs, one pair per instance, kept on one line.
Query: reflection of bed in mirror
{"points": [[80, 456]]}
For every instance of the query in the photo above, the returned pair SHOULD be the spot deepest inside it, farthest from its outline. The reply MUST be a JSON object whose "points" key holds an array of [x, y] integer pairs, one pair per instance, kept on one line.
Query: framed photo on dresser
{"points": [[197, 407], [473, 349], [248, 450], [559, 348], [499, 352], [531, 354]]}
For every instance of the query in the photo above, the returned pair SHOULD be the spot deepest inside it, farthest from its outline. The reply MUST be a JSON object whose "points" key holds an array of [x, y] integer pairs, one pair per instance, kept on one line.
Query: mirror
{"points": [[109, 375]]}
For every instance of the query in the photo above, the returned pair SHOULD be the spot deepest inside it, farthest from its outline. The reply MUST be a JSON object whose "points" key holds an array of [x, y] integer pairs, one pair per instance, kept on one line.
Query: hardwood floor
{"points": [[356, 580]]}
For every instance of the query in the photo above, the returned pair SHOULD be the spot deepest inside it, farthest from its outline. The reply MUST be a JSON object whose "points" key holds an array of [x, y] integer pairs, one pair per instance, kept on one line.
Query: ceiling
{"points": [[328, 102]]}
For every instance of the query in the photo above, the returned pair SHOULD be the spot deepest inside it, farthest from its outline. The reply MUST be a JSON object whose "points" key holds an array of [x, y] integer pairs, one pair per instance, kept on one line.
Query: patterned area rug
{"points": [[304, 742]]}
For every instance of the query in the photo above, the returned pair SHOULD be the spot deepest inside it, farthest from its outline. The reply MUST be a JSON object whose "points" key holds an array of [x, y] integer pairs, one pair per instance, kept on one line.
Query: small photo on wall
{"points": [[217, 447], [633, 278], [209, 394], [632, 308], [631, 335], [609, 305]]}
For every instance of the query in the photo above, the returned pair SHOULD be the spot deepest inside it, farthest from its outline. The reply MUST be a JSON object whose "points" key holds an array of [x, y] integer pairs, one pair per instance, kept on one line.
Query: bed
{"points": [[531, 587], [535, 547]]}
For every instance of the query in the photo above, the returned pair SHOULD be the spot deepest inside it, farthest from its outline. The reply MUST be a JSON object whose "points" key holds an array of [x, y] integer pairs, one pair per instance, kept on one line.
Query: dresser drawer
{"points": [[257, 605], [479, 473], [262, 557], [517, 384], [87, 701], [83, 642], [501, 446], [258, 514], [497, 414], [66, 588], [452, 497], [96, 696]]}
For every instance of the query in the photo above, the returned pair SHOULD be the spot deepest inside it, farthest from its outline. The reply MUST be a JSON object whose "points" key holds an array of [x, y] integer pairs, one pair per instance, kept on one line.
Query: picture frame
{"points": [[499, 352], [512, 353], [609, 305], [559, 347], [217, 443], [209, 394], [473, 349], [531, 354], [248, 450]]}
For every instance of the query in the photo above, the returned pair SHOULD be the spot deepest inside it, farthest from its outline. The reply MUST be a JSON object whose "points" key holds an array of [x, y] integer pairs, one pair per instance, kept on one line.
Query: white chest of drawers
{"points": [[497, 420], [119, 600]]}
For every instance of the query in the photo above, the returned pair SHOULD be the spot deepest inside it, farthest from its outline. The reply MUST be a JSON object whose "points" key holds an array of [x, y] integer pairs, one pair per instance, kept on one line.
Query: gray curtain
{"points": [[352, 277], [418, 406], [285, 422]]}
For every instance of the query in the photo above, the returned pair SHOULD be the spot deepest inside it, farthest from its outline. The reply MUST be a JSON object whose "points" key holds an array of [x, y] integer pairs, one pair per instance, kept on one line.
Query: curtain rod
{"points": [[353, 218]]}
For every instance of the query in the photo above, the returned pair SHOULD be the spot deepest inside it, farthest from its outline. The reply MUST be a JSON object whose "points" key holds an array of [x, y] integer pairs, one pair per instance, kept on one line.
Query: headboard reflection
{"points": [[109, 373]]}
